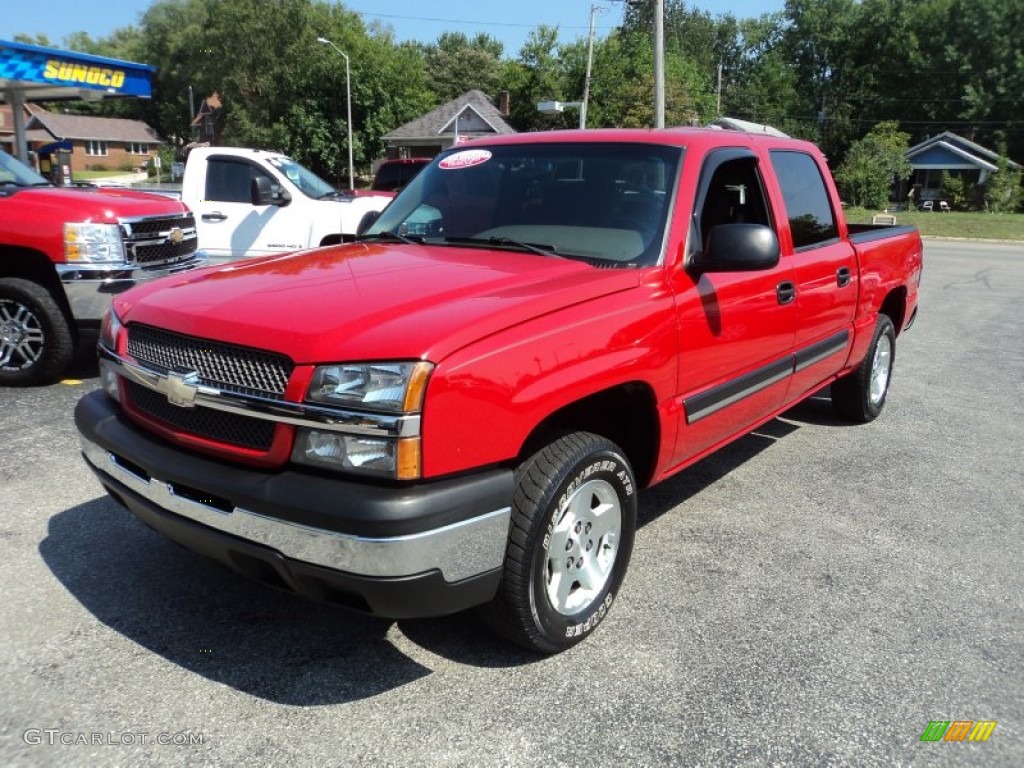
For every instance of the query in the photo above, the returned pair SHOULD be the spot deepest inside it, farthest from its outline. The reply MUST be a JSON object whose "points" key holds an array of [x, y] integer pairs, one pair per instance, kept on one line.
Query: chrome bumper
{"points": [[458, 551], [89, 288]]}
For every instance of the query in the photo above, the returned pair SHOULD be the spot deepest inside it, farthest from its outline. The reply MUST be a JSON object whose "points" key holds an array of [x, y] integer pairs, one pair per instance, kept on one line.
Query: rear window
{"points": [[811, 219]]}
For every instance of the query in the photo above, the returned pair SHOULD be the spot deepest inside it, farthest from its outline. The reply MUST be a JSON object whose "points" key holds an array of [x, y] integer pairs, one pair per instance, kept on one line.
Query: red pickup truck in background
{"points": [[460, 408], [64, 252]]}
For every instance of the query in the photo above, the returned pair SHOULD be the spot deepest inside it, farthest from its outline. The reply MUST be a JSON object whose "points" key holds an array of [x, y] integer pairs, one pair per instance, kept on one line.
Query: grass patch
{"points": [[93, 175], [994, 226]]}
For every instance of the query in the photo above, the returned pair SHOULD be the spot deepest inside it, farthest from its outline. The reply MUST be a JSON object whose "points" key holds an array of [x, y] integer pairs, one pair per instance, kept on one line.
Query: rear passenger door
{"points": [[824, 270]]}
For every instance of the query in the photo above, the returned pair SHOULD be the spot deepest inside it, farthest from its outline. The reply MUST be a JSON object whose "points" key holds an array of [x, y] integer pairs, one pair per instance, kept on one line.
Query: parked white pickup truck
{"points": [[253, 202]]}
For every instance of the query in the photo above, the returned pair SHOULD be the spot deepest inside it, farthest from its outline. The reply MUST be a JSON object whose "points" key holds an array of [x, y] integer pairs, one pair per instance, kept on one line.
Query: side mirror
{"points": [[738, 248], [261, 192], [366, 222]]}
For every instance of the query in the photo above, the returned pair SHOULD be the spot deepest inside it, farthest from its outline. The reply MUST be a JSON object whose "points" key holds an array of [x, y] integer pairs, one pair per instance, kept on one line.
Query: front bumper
{"points": [[399, 552], [90, 287]]}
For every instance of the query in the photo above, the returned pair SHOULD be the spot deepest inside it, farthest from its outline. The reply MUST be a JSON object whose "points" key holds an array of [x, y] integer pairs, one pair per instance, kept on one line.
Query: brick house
{"points": [[98, 143]]}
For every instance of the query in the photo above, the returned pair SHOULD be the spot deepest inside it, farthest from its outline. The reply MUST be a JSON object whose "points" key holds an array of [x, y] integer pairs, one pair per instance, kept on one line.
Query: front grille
{"points": [[164, 252], [227, 367], [161, 240], [229, 428]]}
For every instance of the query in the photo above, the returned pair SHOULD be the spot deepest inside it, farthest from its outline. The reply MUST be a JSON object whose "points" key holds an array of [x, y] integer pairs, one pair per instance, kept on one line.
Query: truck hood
{"points": [[368, 301], [95, 204]]}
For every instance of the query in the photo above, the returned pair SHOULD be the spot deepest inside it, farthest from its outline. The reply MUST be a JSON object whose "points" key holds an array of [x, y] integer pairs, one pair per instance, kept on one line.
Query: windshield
{"points": [[308, 182], [603, 202], [13, 171]]}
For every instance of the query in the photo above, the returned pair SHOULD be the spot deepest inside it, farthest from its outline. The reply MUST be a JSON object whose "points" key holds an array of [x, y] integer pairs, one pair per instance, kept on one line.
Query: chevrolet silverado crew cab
{"points": [[460, 408], [64, 252]]}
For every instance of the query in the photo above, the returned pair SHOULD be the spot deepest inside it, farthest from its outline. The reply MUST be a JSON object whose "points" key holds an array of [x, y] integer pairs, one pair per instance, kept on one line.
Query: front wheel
{"points": [[36, 342], [571, 536], [860, 395]]}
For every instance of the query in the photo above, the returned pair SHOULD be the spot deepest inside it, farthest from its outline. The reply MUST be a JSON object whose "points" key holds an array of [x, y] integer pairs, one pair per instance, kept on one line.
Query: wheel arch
{"points": [[35, 266], [626, 414], [895, 306]]}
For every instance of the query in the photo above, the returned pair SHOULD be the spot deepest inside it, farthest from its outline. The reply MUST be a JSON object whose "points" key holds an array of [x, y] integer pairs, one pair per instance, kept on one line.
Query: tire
{"points": [[36, 343], [860, 395], [573, 512]]}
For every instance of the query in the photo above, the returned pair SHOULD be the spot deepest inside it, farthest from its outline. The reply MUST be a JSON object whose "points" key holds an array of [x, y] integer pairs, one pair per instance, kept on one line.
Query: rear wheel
{"points": [[573, 521], [860, 395], [36, 343]]}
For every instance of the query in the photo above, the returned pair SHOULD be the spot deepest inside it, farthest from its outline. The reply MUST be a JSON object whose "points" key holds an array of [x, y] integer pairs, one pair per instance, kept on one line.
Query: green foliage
{"points": [[456, 64], [1002, 189], [872, 164], [953, 189]]}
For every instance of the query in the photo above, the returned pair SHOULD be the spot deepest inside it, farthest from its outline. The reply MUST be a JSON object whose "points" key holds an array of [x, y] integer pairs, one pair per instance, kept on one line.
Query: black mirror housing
{"points": [[366, 222], [738, 248], [261, 192]]}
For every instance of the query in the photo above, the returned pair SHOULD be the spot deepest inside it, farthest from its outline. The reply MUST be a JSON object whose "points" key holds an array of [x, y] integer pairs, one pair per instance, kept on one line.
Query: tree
{"points": [[872, 164], [456, 64], [1001, 189]]}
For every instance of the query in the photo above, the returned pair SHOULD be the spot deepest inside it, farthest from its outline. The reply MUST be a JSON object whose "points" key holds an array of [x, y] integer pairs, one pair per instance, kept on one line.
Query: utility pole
{"points": [[590, 61], [718, 102], [659, 63]]}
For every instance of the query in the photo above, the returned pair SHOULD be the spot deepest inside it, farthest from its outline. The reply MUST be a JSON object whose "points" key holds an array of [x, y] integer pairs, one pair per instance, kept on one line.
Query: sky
{"points": [[509, 22]]}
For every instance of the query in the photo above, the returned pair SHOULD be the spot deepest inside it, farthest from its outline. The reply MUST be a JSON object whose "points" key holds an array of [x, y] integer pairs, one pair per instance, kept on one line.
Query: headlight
{"points": [[388, 387], [93, 243], [110, 329], [392, 390]]}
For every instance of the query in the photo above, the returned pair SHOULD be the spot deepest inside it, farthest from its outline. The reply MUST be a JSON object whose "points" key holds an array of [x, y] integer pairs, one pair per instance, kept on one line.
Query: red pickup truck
{"points": [[64, 252], [460, 408]]}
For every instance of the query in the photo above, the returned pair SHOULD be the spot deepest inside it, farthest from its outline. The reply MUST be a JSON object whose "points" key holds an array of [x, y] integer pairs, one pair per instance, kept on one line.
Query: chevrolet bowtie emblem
{"points": [[182, 388], [176, 235]]}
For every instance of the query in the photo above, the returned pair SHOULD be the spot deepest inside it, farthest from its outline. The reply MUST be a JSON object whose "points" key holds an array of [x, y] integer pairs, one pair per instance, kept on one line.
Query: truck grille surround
{"points": [[227, 367], [160, 241]]}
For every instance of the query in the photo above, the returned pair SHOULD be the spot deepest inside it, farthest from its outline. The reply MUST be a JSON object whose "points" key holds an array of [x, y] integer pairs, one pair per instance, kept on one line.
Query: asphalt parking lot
{"points": [[815, 594]]}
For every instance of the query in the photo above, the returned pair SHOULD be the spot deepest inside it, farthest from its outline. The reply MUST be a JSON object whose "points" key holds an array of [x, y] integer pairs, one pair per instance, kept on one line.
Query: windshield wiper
{"points": [[394, 236], [540, 249]]}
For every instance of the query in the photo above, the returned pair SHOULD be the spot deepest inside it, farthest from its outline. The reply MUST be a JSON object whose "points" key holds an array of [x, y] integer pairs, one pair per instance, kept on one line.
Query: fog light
{"points": [[350, 452]]}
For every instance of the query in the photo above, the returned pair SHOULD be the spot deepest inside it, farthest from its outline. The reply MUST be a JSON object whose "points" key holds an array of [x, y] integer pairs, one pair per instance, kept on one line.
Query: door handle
{"points": [[843, 277], [215, 216], [785, 292]]}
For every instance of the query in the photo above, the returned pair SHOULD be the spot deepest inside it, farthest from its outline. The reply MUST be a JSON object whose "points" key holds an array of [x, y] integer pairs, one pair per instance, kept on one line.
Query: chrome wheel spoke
{"points": [[581, 552]]}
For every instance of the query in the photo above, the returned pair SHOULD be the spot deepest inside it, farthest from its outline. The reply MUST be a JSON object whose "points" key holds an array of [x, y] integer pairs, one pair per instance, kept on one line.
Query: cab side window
{"points": [[734, 195], [811, 219], [229, 181]]}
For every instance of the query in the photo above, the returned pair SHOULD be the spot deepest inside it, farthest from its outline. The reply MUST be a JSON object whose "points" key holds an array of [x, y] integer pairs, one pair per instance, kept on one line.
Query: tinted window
{"points": [[811, 219], [594, 201], [228, 181], [734, 195]]}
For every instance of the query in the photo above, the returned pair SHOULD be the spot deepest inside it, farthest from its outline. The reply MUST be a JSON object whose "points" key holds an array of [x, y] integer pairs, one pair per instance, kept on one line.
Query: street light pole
{"points": [[348, 101]]}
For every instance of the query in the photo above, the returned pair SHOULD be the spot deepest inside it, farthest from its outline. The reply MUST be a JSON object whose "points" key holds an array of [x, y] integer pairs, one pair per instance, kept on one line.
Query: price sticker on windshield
{"points": [[467, 158]]}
